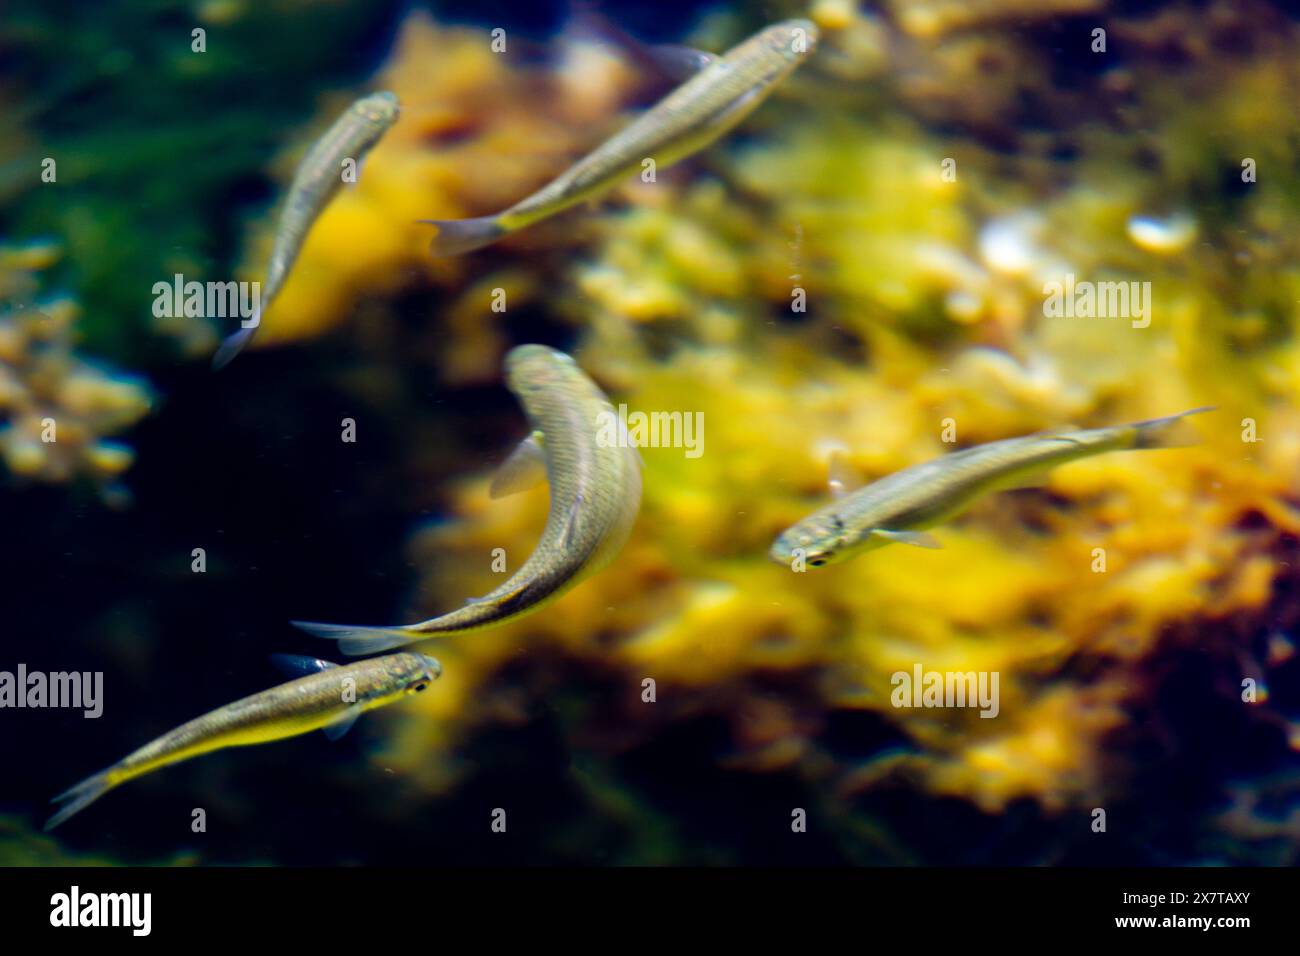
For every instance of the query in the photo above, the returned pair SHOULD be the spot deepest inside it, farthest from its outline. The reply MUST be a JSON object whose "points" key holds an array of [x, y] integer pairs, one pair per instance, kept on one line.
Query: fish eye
{"points": [[817, 562], [423, 685]]}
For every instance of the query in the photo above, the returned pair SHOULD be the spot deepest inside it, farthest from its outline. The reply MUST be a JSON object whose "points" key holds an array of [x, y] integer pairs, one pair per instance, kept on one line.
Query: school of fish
{"points": [[594, 485]]}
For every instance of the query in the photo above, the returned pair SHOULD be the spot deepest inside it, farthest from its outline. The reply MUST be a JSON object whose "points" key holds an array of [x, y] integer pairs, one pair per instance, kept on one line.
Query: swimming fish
{"points": [[724, 91], [329, 697], [595, 480], [898, 507], [318, 178]]}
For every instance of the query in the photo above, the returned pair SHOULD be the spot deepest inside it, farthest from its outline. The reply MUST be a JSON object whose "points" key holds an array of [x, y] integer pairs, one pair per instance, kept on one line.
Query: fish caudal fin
{"points": [[232, 346], [464, 235], [1170, 432], [76, 799], [356, 640]]}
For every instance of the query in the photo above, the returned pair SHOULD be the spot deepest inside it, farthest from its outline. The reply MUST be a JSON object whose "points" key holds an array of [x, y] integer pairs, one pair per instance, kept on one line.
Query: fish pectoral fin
{"points": [[525, 468], [740, 106], [343, 724], [919, 539], [298, 665], [571, 525]]}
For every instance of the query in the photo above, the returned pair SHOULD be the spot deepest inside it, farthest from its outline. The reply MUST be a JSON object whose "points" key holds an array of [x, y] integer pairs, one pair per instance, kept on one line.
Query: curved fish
{"points": [[898, 507], [329, 697], [724, 91], [317, 179], [595, 496]]}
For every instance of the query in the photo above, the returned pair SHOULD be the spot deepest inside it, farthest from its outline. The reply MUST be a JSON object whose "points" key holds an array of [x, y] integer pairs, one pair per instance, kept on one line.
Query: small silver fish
{"points": [[318, 178], [595, 496], [724, 91], [329, 697], [898, 507]]}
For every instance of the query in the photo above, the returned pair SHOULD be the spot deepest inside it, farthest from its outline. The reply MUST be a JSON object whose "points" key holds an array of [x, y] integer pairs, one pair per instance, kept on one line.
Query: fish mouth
{"points": [[535, 364], [432, 665], [780, 552]]}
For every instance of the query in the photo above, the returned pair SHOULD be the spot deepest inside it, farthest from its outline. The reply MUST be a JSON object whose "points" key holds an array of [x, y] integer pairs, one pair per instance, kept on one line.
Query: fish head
{"points": [[418, 671], [793, 39], [814, 542], [380, 108], [534, 368]]}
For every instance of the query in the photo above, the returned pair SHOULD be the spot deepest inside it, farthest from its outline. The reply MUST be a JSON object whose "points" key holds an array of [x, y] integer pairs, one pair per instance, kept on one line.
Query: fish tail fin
{"points": [[75, 799], [1169, 432], [464, 235], [355, 640], [233, 344]]}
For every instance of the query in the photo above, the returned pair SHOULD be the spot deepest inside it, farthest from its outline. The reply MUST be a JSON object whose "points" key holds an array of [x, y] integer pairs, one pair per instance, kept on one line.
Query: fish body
{"points": [[329, 697], [724, 91], [595, 488], [317, 179], [899, 506]]}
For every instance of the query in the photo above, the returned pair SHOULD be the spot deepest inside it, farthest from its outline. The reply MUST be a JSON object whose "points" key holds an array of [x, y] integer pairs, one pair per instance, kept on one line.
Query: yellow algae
{"points": [[1052, 740], [925, 309], [475, 133], [933, 18]]}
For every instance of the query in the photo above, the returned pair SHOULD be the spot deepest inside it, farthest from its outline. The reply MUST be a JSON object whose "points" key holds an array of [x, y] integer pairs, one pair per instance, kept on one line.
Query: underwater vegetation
{"points": [[890, 260], [57, 409], [925, 302]]}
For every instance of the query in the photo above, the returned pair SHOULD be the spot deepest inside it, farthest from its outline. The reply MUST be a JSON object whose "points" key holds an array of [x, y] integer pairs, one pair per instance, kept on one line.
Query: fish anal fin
{"points": [[525, 468]]}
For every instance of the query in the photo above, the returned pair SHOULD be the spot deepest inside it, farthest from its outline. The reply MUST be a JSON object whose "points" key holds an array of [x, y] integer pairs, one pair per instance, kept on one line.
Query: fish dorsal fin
{"points": [[1056, 431], [297, 665], [525, 468], [679, 63], [917, 538], [343, 724]]}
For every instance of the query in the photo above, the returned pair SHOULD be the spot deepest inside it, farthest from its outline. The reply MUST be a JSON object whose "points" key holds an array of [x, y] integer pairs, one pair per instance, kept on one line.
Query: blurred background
{"points": [[920, 179]]}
